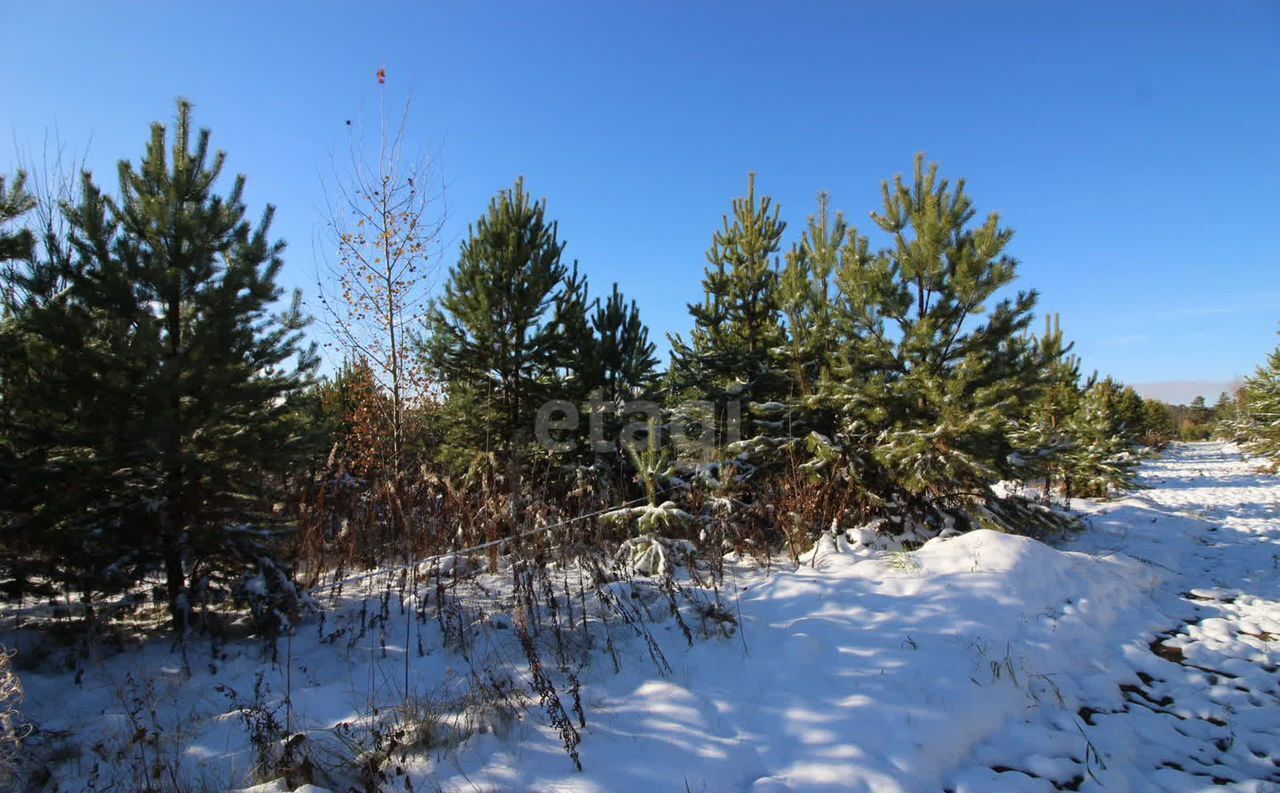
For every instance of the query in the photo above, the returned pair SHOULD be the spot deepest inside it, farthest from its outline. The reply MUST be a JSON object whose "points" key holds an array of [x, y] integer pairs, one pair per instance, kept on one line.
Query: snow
{"points": [[1142, 654]]}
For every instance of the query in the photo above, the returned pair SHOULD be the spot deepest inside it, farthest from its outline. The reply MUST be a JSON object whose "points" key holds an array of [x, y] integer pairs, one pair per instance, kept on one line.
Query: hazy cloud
{"points": [[1181, 392]]}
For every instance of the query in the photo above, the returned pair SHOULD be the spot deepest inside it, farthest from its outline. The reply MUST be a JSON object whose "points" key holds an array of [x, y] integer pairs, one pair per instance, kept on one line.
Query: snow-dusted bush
{"points": [[275, 601], [12, 730], [650, 554], [648, 519], [649, 551]]}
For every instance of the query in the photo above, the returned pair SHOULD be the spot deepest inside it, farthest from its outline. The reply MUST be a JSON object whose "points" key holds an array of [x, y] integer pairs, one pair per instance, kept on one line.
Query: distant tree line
{"points": [[159, 422], [1195, 421]]}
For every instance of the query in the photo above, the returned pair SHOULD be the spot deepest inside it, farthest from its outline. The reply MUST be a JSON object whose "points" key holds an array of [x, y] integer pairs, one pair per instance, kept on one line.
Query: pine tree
{"points": [[1223, 405], [622, 349], [1259, 421], [931, 378], [1106, 434], [15, 202], [499, 334], [806, 299], [1132, 412], [16, 245], [576, 368], [806, 288], [28, 276], [623, 370], [1157, 423], [735, 354], [1044, 436], [1225, 412], [158, 383]]}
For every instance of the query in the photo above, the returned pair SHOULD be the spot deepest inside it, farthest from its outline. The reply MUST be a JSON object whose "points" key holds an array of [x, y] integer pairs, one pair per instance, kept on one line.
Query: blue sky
{"points": [[1132, 146]]}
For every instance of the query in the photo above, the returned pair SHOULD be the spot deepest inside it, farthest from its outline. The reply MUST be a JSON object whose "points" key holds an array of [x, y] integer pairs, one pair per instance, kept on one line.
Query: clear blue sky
{"points": [[1134, 147]]}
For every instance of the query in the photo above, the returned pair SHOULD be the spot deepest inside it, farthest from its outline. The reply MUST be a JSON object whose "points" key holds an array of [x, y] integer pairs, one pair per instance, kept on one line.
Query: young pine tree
{"points": [[623, 370], [155, 423], [1044, 435], [576, 368], [934, 369], [734, 355], [507, 333], [1259, 413], [806, 298], [1107, 431], [1225, 411], [15, 247], [622, 349]]}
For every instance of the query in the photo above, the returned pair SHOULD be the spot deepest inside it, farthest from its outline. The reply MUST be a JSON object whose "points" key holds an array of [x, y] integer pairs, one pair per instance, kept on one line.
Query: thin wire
{"points": [[429, 559]]}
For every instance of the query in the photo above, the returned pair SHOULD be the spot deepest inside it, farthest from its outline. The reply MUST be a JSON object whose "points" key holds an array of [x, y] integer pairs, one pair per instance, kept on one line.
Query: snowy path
{"points": [[1141, 656], [1206, 706]]}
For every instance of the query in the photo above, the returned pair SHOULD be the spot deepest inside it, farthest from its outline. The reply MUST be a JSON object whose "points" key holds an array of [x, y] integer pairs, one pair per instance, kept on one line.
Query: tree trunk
{"points": [[513, 472], [171, 535], [175, 581]]}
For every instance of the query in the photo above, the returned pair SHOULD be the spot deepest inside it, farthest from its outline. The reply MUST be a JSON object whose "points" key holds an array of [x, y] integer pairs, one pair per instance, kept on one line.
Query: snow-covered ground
{"points": [[1182, 690], [1141, 655]]}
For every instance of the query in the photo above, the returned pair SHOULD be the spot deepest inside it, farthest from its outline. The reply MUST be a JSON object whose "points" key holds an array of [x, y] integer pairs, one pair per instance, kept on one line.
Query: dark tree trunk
{"points": [[172, 536], [175, 580]]}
